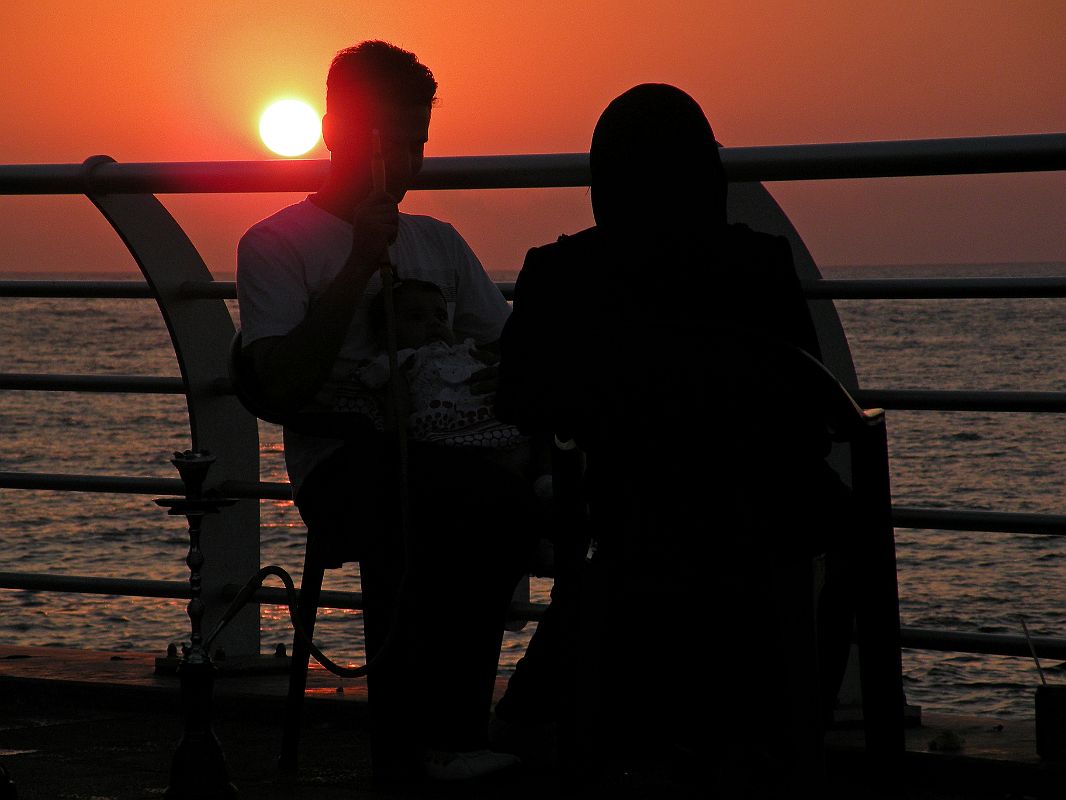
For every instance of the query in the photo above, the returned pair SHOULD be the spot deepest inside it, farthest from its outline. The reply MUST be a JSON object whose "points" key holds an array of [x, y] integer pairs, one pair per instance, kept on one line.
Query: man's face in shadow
{"points": [[403, 131]]}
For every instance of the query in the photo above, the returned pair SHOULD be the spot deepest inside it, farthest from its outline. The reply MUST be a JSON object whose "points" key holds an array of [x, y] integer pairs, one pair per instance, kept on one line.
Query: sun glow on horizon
{"points": [[290, 127]]}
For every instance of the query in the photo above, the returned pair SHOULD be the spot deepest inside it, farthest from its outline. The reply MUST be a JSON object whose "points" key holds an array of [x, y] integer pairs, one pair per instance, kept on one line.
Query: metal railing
{"points": [[187, 293]]}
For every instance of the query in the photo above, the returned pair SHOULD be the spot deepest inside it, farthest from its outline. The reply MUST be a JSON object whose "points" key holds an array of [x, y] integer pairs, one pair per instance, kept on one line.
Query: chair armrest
{"points": [[844, 417]]}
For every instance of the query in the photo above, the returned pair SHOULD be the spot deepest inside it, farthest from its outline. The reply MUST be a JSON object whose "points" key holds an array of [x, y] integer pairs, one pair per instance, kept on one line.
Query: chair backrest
{"points": [[841, 413]]}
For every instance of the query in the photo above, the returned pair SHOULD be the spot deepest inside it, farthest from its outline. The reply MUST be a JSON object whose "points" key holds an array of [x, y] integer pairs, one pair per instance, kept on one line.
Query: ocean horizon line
{"points": [[509, 274]]}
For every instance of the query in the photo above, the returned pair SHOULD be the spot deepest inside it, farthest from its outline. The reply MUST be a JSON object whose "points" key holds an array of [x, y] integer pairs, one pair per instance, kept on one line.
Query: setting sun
{"points": [[290, 127]]}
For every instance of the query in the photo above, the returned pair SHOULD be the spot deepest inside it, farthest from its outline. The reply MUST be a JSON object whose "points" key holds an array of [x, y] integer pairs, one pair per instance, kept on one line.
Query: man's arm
{"points": [[291, 368]]}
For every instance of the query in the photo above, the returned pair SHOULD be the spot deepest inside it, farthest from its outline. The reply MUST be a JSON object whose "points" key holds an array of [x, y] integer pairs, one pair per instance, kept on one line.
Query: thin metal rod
{"points": [[934, 288], [142, 587], [106, 289], [852, 289], [889, 159], [353, 601], [251, 490], [990, 643], [1032, 649], [916, 638], [117, 484], [126, 484], [961, 400], [138, 384], [84, 584], [983, 521], [902, 516]]}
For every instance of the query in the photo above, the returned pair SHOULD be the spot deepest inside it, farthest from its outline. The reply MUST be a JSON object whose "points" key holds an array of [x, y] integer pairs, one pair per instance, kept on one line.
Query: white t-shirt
{"points": [[288, 260]]}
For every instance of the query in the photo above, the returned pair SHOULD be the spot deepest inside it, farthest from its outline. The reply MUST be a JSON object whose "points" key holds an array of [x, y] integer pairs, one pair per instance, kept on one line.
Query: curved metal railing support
{"points": [[752, 204], [200, 330]]}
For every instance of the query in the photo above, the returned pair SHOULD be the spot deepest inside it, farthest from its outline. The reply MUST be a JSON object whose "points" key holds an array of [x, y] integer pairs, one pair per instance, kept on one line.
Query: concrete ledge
{"points": [[77, 723]]}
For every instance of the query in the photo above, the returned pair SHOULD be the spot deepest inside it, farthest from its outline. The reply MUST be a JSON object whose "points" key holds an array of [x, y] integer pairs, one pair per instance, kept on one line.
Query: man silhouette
{"points": [[305, 278]]}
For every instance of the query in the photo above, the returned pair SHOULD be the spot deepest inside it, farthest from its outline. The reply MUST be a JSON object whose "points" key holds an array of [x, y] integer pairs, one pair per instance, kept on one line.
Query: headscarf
{"points": [[655, 165]]}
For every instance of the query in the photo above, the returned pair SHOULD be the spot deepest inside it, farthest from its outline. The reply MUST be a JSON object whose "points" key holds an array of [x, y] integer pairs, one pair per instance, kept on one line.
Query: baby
{"points": [[437, 371]]}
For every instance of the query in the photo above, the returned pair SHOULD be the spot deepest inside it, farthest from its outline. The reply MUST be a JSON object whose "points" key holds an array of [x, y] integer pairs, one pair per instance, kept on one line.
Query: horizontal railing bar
{"points": [[851, 289], [961, 400], [83, 584], [856, 289], [110, 484], [139, 384], [253, 490], [143, 587], [126, 484], [353, 601], [897, 399], [56, 288], [934, 288], [902, 516], [971, 155], [897, 159], [917, 638], [984, 521], [988, 643], [209, 290]]}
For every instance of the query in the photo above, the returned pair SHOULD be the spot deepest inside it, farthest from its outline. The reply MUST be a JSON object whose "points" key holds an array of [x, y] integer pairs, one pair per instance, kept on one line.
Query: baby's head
{"points": [[421, 315]]}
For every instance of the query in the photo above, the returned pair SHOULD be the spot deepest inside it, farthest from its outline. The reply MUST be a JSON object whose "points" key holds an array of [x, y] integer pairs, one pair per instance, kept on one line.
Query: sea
{"points": [[958, 581]]}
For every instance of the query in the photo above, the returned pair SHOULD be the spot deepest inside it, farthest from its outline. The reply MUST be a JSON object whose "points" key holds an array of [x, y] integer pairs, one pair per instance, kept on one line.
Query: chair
{"points": [[316, 560], [778, 392], [876, 595]]}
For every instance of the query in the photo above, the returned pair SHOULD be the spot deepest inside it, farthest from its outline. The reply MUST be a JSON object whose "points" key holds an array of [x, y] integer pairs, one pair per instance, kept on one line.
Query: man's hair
{"points": [[402, 288], [375, 72]]}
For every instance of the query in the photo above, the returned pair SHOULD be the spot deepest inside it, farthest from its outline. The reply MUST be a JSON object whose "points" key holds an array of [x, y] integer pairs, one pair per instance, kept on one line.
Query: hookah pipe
{"points": [[397, 388], [397, 394]]}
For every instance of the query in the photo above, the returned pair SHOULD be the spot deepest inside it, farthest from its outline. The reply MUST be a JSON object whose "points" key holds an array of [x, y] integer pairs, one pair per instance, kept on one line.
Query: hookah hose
{"points": [[245, 594], [397, 400], [397, 392], [397, 387]]}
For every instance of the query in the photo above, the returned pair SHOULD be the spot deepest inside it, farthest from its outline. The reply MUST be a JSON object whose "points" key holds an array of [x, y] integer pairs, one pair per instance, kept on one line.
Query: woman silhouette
{"points": [[652, 340]]}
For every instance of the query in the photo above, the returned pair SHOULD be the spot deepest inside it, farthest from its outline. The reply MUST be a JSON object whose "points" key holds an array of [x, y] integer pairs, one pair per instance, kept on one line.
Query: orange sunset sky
{"points": [[174, 81]]}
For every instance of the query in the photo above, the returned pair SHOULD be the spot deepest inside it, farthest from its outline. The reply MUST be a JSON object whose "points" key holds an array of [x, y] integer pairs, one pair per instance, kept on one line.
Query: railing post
{"points": [[200, 330]]}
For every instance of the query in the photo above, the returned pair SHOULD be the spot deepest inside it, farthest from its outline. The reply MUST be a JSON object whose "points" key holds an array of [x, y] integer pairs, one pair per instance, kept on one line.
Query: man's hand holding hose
{"points": [[376, 218]]}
